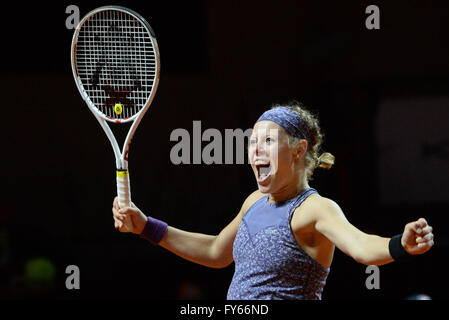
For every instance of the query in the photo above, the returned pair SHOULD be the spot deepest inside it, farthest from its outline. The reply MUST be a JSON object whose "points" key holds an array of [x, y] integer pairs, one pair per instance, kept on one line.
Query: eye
{"points": [[268, 140], [252, 141]]}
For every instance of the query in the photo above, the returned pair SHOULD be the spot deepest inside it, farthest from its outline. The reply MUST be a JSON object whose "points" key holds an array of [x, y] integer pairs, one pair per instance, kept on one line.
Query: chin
{"points": [[264, 189]]}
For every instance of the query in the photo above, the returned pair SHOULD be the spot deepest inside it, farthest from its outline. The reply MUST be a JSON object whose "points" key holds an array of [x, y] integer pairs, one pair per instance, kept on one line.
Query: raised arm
{"points": [[213, 251], [367, 249]]}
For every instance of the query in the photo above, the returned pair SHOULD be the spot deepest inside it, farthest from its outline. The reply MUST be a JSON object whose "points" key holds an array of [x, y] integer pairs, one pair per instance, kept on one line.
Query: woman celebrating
{"points": [[283, 239]]}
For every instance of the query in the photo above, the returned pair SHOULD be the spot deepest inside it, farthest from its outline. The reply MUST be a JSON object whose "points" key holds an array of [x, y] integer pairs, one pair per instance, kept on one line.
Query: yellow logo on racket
{"points": [[118, 108], [122, 174]]}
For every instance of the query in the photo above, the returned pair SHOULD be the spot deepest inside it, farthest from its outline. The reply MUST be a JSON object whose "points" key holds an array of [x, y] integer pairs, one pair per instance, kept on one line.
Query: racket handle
{"points": [[124, 195]]}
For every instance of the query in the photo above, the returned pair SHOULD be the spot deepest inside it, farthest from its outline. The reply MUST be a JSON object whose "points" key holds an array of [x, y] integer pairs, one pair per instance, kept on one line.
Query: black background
{"points": [[223, 63]]}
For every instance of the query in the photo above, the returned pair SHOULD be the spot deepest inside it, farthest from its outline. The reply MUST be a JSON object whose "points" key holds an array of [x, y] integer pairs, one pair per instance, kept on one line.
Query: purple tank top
{"points": [[269, 263]]}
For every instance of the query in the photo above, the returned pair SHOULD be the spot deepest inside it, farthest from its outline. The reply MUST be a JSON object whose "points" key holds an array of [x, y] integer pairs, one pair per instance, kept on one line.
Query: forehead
{"points": [[266, 127]]}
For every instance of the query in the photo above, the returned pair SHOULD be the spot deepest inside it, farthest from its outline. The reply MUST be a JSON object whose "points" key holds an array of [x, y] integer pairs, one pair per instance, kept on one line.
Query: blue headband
{"points": [[287, 119]]}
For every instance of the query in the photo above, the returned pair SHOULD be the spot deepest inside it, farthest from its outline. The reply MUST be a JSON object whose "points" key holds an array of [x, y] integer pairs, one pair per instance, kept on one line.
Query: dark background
{"points": [[223, 63]]}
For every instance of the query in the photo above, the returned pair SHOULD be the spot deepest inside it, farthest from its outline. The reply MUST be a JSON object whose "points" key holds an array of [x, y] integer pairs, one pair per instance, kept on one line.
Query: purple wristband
{"points": [[154, 230]]}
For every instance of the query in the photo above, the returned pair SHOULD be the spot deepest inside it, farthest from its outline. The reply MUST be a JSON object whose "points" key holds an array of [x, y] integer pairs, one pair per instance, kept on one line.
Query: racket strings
{"points": [[116, 62]]}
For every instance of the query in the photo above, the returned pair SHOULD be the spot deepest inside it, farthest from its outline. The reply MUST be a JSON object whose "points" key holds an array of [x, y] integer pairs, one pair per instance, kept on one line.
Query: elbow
{"points": [[362, 251], [226, 264], [360, 256], [223, 262], [372, 262], [371, 252], [219, 256], [219, 264], [363, 257], [362, 260], [368, 262]]}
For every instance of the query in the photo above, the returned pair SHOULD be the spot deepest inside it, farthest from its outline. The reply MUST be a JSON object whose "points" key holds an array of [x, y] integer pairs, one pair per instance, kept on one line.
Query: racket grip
{"points": [[123, 190], [124, 195]]}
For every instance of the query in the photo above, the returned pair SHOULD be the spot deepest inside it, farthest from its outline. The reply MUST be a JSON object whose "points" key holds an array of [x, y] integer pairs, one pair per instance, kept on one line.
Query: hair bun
{"points": [[326, 160]]}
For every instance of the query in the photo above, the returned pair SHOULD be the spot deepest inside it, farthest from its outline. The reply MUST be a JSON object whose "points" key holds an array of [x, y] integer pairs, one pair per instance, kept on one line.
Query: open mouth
{"points": [[263, 171]]}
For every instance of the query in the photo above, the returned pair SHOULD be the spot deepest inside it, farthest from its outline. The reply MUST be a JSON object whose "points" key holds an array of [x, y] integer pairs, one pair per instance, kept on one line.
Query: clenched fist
{"points": [[417, 237]]}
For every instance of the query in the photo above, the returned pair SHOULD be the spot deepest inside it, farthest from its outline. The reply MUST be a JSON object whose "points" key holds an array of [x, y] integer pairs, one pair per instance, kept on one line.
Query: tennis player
{"points": [[283, 239]]}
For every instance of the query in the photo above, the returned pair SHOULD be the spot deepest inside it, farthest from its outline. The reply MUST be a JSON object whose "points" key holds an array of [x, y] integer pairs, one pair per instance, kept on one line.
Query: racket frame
{"points": [[121, 157]]}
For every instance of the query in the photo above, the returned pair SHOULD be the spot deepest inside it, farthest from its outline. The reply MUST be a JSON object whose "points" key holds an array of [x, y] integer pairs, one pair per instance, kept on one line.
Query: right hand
{"points": [[132, 213]]}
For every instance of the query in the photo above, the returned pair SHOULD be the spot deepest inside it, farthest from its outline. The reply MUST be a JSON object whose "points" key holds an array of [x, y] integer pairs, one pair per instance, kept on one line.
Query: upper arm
{"points": [[223, 244], [332, 223]]}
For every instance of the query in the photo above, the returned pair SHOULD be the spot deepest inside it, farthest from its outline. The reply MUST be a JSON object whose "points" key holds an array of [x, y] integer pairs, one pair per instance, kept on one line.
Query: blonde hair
{"points": [[313, 158]]}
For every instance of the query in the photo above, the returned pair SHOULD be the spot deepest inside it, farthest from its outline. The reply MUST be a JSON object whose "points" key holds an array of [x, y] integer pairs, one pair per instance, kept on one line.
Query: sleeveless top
{"points": [[269, 263]]}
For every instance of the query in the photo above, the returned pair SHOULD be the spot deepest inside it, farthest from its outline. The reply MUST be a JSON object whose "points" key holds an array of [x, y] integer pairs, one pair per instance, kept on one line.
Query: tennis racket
{"points": [[116, 67]]}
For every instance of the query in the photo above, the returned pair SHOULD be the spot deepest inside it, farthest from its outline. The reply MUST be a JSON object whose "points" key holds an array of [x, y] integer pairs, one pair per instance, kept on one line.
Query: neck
{"points": [[288, 192]]}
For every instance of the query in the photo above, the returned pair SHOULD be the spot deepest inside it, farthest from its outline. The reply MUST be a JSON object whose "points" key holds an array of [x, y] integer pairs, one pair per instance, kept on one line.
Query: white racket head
{"points": [[115, 63]]}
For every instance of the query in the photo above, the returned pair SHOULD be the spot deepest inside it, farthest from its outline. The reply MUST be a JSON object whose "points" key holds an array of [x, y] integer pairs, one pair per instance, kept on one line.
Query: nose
{"points": [[260, 147]]}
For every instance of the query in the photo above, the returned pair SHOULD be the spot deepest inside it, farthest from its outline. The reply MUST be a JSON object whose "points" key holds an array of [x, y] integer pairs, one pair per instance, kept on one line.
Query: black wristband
{"points": [[396, 249]]}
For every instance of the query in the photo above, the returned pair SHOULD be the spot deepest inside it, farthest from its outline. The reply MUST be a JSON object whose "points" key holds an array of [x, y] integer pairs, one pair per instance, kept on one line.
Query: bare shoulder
{"points": [[316, 207]]}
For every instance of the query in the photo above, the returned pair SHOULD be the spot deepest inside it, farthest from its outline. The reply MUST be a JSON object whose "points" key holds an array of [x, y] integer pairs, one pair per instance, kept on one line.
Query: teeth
{"points": [[263, 168]]}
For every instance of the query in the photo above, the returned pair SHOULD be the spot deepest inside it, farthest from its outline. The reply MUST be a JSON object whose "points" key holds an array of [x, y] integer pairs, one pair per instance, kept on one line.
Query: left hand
{"points": [[417, 237]]}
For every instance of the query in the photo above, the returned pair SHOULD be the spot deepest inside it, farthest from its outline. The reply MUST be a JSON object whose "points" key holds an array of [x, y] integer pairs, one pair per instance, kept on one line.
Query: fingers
{"points": [[420, 224], [121, 212], [117, 224], [423, 222], [427, 244], [425, 237], [421, 232], [124, 216], [118, 218], [427, 230], [115, 203]]}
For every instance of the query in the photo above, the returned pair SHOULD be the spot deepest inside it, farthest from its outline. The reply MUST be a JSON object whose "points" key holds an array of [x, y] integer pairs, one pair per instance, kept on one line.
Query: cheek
{"points": [[280, 157]]}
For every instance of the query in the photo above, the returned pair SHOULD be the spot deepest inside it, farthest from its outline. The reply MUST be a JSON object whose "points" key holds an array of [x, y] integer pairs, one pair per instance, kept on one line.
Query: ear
{"points": [[300, 149]]}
